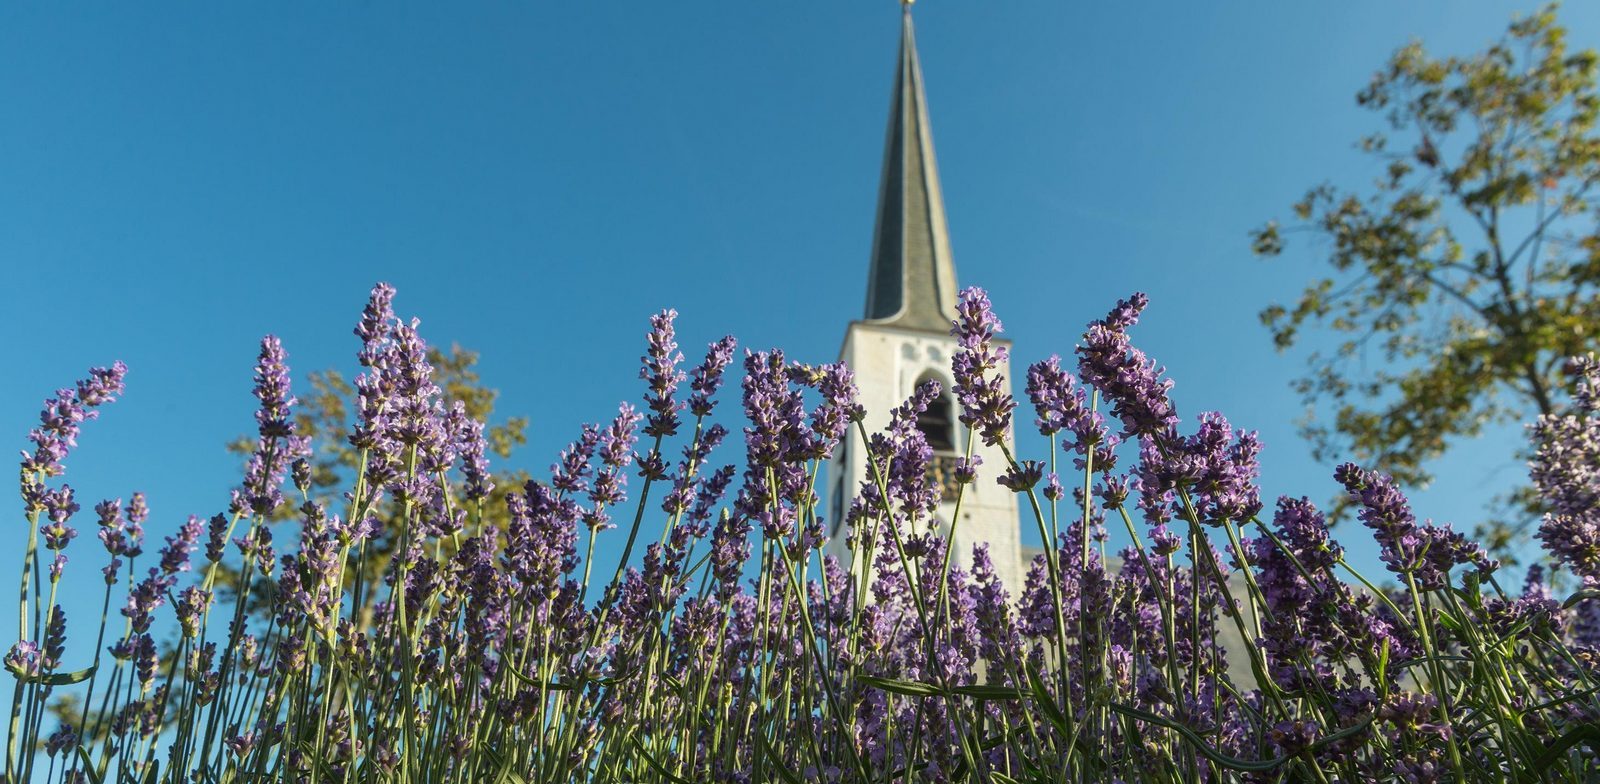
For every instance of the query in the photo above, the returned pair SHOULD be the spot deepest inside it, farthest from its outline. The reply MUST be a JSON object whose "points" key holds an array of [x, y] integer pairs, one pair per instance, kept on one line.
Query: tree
{"points": [[1471, 266]]}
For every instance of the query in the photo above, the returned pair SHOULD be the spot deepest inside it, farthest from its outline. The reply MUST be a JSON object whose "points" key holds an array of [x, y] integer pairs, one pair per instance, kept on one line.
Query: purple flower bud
{"points": [[706, 379], [300, 474], [571, 475], [144, 659], [192, 604], [1052, 487], [23, 659], [1426, 552], [1022, 477], [467, 435], [242, 744], [985, 405], [217, 543], [111, 569], [272, 389], [1566, 471], [661, 371], [61, 741], [175, 555], [1127, 379], [966, 469], [373, 329], [62, 417]]}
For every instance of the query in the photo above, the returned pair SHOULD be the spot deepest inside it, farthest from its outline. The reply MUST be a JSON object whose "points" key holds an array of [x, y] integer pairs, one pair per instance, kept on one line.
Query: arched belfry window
{"points": [[938, 422]]}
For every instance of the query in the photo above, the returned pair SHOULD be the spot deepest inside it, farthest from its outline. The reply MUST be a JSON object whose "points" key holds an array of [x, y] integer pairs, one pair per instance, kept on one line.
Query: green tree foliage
{"points": [[1469, 270]]}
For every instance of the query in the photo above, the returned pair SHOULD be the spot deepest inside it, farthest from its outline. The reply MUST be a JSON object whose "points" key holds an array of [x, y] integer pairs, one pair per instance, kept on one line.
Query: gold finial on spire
{"points": [[907, 3]]}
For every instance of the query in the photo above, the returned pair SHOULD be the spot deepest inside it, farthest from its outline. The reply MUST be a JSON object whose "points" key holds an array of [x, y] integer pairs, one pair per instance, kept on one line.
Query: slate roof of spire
{"points": [[912, 283]]}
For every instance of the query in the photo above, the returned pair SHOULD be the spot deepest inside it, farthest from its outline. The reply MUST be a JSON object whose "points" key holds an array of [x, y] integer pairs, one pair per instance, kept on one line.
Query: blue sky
{"points": [[537, 179]]}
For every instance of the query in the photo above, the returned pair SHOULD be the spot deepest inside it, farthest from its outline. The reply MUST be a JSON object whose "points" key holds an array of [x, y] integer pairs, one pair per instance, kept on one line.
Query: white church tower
{"points": [[904, 337]]}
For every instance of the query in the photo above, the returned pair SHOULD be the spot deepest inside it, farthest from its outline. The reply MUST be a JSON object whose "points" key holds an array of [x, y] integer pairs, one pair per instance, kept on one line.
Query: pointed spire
{"points": [[912, 282]]}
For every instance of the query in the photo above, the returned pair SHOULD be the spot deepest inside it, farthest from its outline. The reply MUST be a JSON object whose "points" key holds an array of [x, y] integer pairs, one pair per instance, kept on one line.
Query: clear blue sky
{"points": [[537, 179]]}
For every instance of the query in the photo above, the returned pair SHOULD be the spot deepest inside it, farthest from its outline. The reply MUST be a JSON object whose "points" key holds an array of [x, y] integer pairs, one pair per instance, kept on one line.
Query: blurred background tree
{"points": [[1470, 266]]}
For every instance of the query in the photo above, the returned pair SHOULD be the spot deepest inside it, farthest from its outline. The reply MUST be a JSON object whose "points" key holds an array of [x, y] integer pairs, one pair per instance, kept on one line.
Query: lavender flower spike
{"points": [[985, 405], [373, 328], [707, 378], [661, 371], [1127, 378], [277, 446], [1566, 470], [61, 417], [1427, 552], [272, 389]]}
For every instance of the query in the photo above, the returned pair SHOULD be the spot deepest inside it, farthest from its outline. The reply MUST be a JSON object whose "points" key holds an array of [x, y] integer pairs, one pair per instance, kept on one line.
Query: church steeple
{"points": [[905, 341], [912, 283]]}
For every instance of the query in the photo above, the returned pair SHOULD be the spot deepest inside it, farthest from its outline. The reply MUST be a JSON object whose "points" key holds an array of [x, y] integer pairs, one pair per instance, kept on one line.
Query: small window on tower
{"points": [[938, 421]]}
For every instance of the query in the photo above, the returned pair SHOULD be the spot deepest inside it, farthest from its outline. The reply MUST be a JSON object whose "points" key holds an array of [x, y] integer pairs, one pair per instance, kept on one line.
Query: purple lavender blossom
{"points": [[1063, 405], [300, 474], [686, 478], [903, 455], [59, 508], [1053, 491], [63, 415], [1023, 476], [216, 542], [467, 435], [776, 412], [376, 318], [661, 371], [191, 605], [1128, 379], [1216, 468], [777, 444], [137, 513], [965, 470], [1427, 552], [710, 493], [1225, 488], [571, 474], [55, 638], [374, 387], [706, 379], [985, 405], [61, 741], [838, 409], [272, 389], [23, 659], [143, 652], [175, 556], [1566, 471], [615, 449], [277, 445]]}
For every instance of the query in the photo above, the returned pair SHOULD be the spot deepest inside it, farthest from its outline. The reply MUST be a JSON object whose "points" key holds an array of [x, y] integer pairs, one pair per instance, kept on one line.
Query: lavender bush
{"points": [[400, 638]]}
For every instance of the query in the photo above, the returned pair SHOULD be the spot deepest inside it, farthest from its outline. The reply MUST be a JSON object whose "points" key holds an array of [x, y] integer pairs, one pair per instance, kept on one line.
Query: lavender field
{"points": [[402, 634]]}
